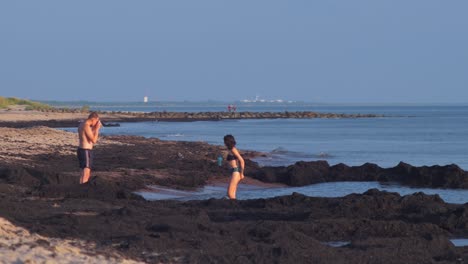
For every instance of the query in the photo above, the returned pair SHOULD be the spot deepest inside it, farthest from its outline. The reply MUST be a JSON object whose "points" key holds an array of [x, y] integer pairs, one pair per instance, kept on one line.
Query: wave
{"points": [[281, 151], [174, 135], [324, 155]]}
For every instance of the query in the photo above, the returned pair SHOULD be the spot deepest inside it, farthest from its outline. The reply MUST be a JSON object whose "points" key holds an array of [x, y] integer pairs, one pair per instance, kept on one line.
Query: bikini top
{"points": [[231, 157]]}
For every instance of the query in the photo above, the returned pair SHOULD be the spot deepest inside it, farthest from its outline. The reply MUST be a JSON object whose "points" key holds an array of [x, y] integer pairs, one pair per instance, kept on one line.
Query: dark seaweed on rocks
{"points": [[305, 173], [42, 195], [381, 227]]}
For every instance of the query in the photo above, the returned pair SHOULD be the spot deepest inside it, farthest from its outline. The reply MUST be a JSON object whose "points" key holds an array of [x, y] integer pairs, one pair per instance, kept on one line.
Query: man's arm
{"points": [[92, 134]]}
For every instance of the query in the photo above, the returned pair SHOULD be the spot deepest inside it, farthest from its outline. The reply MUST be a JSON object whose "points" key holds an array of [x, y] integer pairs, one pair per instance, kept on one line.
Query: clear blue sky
{"points": [[361, 51]]}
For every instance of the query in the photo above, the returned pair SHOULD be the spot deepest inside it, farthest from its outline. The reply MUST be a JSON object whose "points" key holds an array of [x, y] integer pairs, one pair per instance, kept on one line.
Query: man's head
{"points": [[94, 118]]}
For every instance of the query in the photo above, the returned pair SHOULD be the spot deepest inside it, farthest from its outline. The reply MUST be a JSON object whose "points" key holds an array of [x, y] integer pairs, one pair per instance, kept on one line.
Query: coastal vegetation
{"points": [[85, 109], [7, 102]]}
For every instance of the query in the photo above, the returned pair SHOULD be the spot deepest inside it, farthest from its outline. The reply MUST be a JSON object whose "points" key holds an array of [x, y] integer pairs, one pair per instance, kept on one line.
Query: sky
{"points": [[360, 51]]}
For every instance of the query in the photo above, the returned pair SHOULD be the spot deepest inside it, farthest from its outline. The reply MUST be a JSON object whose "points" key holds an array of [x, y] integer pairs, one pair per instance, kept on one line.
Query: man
{"points": [[88, 132]]}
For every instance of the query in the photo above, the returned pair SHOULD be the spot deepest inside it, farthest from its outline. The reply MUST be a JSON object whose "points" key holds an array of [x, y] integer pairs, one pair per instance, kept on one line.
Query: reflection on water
{"points": [[337, 243], [331, 189], [459, 242]]}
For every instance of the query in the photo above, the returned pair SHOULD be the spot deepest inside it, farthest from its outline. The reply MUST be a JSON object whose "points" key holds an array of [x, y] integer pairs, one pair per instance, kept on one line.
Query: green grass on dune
{"points": [[29, 105]]}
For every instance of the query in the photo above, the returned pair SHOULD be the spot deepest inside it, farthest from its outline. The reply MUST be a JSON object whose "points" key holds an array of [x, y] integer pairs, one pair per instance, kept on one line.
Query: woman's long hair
{"points": [[229, 141]]}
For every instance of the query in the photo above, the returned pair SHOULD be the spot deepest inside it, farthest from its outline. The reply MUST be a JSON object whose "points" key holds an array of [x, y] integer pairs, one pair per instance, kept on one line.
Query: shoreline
{"points": [[39, 191], [55, 119]]}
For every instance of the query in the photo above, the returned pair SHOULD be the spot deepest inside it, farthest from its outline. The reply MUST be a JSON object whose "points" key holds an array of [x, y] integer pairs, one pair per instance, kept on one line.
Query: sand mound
{"points": [[17, 245]]}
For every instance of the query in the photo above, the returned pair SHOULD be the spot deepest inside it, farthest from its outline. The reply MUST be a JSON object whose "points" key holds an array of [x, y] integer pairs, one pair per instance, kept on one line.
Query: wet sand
{"points": [[39, 194]]}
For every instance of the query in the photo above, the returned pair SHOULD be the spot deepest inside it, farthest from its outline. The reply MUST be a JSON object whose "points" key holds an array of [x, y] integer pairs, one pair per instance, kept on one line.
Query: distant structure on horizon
{"points": [[259, 100], [145, 99]]}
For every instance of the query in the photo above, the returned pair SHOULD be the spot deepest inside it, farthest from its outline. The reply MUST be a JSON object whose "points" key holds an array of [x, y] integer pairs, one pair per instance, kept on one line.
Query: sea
{"points": [[415, 134]]}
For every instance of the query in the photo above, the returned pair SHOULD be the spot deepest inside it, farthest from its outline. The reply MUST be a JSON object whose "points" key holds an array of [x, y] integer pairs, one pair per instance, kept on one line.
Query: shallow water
{"points": [[460, 242], [337, 243], [418, 135], [331, 189]]}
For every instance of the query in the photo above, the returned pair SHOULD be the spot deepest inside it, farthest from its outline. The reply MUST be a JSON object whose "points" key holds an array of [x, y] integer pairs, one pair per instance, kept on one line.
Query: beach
{"points": [[124, 127], [108, 222]]}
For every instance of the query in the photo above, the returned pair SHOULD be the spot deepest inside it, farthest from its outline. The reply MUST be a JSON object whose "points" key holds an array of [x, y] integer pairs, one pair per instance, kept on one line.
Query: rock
{"points": [[305, 173]]}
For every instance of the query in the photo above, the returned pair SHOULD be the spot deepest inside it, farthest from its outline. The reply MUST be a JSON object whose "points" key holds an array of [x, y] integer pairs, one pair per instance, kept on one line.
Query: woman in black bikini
{"points": [[237, 164]]}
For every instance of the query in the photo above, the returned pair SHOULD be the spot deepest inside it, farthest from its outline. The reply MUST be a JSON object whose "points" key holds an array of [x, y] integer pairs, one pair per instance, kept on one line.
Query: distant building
{"points": [[261, 100]]}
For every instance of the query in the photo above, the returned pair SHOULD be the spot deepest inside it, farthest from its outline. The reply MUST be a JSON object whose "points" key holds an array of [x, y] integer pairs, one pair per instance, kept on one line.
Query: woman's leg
{"points": [[235, 178]]}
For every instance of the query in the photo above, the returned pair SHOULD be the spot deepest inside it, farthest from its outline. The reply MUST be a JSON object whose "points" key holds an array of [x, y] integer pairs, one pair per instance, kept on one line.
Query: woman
{"points": [[236, 162]]}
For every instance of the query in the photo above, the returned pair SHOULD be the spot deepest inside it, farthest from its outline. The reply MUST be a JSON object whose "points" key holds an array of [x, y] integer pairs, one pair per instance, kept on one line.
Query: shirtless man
{"points": [[88, 132]]}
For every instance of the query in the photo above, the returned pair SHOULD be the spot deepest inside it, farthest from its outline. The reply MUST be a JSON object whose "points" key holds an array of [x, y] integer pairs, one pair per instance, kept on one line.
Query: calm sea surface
{"points": [[419, 135]]}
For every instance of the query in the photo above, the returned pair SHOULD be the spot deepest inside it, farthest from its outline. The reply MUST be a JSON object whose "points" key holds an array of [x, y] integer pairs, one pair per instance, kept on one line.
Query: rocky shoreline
{"points": [[66, 119], [39, 192], [305, 173]]}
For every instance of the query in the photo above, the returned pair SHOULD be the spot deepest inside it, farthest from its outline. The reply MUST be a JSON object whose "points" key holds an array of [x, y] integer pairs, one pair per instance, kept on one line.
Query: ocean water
{"points": [[418, 135], [430, 135]]}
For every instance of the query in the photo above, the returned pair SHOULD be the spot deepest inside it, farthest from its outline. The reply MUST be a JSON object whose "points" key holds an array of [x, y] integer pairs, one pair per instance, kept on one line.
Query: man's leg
{"points": [[81, 176], [85, 174]]}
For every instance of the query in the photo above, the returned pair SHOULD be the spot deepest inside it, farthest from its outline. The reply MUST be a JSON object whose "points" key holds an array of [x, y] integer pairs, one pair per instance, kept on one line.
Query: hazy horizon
{"points": [[201, 102], [333, 52]]}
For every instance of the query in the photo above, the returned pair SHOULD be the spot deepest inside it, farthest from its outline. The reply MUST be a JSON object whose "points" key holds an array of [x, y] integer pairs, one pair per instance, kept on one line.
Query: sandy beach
{"points": [[18, 245], [41, 204]]}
